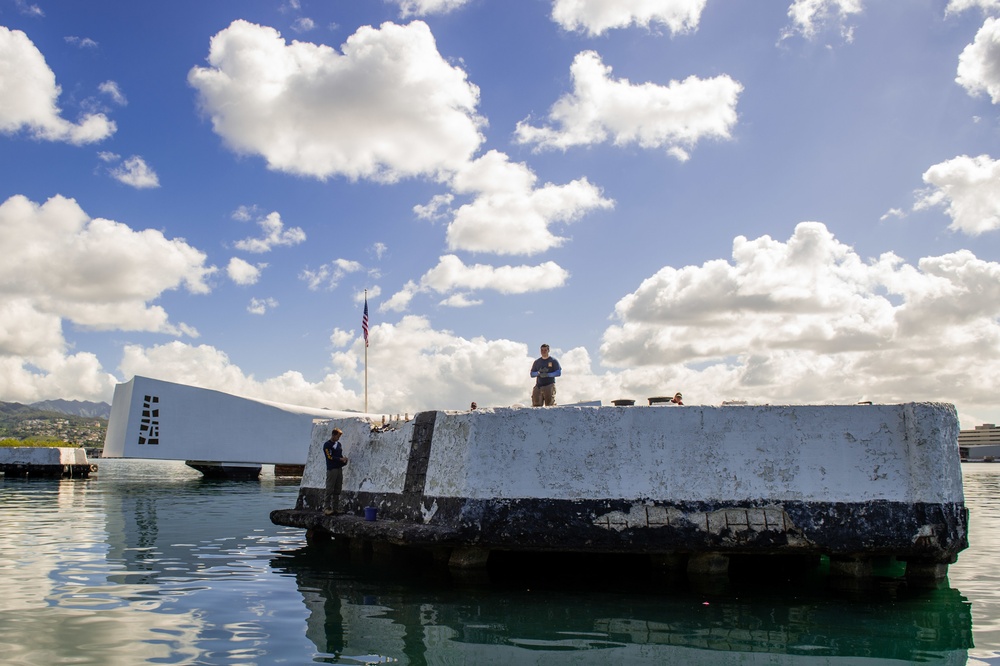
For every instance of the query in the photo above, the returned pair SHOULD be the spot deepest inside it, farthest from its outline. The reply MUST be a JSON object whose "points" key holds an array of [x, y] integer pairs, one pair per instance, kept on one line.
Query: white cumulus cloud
{"points": [[956, 6], [400, 301], [28, 95], [112, 90], [460, 301], [979, 63], [341, 338], [96, 273], [409, 8], [448, 367], [674, 117], [81, 42], [135, 172], [260, 306], [243, 272], [969, 187], [388, 107], [810, 16], [77, 376], [509, 213], [328, 276], [63, 267], [436, 208], [303, 24], [453, 369], [371, 293], [453, 275], [275, 234], [808, 320], [598, 16], [29, 9], [208, 367], [801, 321]]}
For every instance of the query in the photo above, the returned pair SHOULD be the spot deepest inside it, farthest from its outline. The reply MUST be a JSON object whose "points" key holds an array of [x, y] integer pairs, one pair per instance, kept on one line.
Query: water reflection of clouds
{"points": [[57, 588], [976, 572], [147, 567], [120, 635]]}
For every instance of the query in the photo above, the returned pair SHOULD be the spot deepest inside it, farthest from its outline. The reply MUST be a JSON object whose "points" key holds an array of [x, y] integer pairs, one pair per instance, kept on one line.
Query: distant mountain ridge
{"points": [[94, 410], [78, 422]]}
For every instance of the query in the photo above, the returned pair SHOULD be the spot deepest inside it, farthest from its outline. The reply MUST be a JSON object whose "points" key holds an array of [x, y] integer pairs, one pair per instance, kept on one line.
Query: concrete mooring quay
{"points": [[45, 462], [688, 486]]}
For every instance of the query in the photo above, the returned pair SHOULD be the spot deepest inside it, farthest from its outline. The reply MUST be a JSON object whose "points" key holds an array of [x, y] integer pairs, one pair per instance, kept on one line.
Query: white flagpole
{"points": [[366, 351]]}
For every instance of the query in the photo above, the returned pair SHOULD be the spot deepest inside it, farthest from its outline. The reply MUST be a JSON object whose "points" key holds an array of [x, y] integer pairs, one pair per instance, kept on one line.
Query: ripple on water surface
{"points": [[149, 563]]}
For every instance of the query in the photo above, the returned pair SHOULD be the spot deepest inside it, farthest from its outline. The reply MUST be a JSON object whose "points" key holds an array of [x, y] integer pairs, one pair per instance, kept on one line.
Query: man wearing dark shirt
{"points": [[544, 370], [333, 452]]}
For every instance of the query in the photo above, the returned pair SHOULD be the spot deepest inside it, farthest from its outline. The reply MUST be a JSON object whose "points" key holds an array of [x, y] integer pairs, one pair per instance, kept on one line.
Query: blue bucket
{"points": [[370, 513]]}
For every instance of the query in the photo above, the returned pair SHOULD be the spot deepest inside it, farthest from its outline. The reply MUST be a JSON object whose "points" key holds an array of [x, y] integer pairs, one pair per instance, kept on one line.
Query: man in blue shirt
{"points": [[544, 370], [333, 452]]}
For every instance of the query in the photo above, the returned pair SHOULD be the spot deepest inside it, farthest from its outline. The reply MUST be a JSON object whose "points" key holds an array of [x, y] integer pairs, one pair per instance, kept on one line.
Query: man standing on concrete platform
{"points": [[335, 462], [545, 370]]}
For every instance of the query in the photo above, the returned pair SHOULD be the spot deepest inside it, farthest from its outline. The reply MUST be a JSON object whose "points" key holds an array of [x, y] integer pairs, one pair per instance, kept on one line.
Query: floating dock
{"points": [[45, 462], [688, 486]]}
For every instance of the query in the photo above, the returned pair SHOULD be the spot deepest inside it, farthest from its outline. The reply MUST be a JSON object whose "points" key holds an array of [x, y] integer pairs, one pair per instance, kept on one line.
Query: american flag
{"points": [[364, 322]]}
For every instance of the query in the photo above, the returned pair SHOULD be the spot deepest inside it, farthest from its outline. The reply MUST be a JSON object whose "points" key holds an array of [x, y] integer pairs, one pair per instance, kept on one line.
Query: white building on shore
{"points": [[980, 443]]}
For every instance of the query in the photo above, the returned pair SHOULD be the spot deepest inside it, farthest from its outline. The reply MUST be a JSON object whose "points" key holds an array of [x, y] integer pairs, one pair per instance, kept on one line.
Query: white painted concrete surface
{"points": [[377, 460], [42, 455], [828, 453]]}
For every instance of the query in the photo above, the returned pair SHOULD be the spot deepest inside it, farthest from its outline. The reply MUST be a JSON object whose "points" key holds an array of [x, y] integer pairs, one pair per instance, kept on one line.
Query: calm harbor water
{"points": [[147, 562]]}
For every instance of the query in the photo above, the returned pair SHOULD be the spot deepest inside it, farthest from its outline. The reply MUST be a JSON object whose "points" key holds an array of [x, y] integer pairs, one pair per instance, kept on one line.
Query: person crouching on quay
{"points": [[335, 462]]}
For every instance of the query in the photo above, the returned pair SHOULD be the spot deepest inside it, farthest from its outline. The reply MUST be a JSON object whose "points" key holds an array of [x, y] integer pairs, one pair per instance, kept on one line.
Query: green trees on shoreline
{"points": [[36, 442]]}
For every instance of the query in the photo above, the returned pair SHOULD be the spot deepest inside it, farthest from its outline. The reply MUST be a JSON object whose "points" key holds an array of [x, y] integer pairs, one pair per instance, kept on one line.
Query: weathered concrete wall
{"points": [[836, 479], [151, 418], [45, 462], [378, 460], [42, 455], [823, 453]]}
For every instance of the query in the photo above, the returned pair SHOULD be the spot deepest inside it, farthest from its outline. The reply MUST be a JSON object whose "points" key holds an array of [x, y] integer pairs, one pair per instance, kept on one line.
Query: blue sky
{"points": [[777, 202]]}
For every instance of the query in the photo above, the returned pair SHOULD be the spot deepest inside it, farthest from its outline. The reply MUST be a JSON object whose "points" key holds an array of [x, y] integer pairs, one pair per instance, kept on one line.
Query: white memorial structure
{"points": [[216, 433]]}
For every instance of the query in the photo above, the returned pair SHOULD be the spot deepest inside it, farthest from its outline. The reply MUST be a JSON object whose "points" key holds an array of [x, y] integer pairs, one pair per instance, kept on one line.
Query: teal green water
{"points": [[148, 563]]}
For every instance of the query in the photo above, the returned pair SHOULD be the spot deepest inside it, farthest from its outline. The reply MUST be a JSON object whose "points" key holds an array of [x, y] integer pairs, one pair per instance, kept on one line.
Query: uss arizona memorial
{"points": [[211, 430]]}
